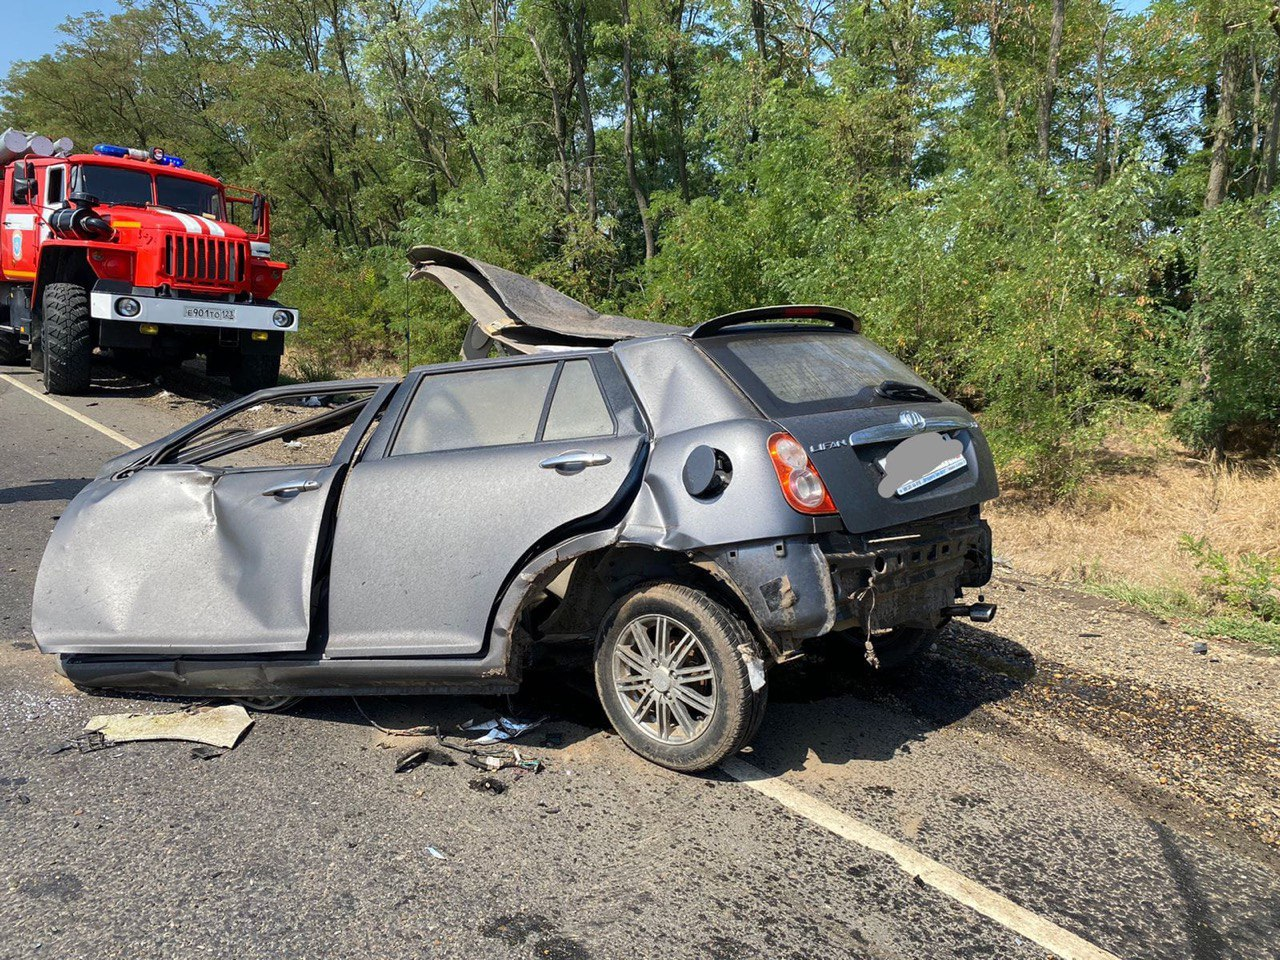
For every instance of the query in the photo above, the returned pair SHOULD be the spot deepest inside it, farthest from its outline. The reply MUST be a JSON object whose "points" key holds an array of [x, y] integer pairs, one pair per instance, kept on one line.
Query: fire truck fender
{"points": [[61, 262]]}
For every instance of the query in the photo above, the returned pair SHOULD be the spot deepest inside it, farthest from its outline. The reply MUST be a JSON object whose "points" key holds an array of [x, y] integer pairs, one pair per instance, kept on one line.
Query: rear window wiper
{"points": [[905, 392]]}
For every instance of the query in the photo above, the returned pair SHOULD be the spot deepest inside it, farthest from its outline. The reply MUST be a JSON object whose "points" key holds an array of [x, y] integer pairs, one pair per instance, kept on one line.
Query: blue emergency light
{"points": [[155, 154]]}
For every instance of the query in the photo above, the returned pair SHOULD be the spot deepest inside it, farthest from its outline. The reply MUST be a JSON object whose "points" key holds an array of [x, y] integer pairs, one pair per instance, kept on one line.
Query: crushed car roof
{"points": [[517, 314], [520, 313]]}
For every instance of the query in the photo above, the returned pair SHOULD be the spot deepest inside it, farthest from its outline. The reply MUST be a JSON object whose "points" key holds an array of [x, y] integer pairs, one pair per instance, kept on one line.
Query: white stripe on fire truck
{"points": [[191, 224]]}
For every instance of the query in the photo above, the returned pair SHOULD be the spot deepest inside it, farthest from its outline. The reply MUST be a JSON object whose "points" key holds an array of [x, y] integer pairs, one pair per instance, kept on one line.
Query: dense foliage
{"points": [[1057, 211]]}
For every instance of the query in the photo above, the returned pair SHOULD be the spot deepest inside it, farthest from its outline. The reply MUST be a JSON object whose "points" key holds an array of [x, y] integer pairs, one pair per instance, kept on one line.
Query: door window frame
{"points": [[615, 396], [162, 452]]}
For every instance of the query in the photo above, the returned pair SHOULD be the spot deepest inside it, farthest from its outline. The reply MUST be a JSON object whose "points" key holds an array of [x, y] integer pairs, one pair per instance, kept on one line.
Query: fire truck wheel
{"points": [[37, 351], [256, 371], [65, 338], [11, 351]]}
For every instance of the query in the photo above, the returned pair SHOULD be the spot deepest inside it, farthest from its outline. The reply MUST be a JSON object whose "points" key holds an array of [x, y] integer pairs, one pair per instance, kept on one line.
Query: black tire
{"points": [[37, 349], [66, 338], [11, 349], [256, 371], [736, 711]]}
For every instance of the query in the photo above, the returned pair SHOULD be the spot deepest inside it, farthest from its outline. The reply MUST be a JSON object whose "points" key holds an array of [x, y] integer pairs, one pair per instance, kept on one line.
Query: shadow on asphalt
{"points": [[828, 704], [64, 488], [834, 707]]}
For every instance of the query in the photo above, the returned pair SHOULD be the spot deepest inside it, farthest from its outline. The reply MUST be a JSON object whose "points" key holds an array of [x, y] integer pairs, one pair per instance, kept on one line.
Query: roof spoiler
{"points": [[836, 316]]}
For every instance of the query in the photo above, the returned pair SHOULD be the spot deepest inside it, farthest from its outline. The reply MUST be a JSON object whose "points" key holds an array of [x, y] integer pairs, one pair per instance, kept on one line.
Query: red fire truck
{"points": [[125, 250]]}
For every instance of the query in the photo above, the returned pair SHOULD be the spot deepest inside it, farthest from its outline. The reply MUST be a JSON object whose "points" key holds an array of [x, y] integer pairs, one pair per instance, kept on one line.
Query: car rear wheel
{"points": [[673, 680], [65, 338]]}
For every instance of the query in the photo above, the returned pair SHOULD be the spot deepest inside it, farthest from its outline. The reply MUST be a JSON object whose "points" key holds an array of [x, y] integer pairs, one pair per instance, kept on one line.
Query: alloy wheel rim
{"points": [[663, 677]]}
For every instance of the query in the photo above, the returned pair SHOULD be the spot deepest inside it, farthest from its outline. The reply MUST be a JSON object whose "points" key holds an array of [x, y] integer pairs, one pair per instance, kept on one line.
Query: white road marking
{"points": [[960, 888], [102, 428]]}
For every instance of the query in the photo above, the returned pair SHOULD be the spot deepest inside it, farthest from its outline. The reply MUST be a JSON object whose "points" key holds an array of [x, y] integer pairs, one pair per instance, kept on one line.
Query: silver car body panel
{"points": [[399, 583], [181, 558]]}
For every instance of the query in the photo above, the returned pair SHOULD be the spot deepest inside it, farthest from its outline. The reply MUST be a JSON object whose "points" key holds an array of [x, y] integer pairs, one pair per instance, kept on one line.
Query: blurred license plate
{"points": [[941, 470], [919, 461]]}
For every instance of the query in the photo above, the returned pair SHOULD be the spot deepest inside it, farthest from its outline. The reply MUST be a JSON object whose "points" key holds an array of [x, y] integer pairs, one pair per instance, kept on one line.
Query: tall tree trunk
{"points": [[759, 29], [1102, 142], [997, 75], [1257, 127], [1223, 129], [1267, 176], [628, 132], [559, 125], [1045, 125], [578, 59], [675, 84]]}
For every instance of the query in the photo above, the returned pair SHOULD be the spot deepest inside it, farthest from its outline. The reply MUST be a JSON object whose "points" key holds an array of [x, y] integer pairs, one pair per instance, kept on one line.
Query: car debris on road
{"points": [[500, 729], [215, 726]]}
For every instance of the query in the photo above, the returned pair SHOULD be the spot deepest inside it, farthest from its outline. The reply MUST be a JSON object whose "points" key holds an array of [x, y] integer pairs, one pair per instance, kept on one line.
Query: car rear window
{"points": [[793, 371], [578, 408]]}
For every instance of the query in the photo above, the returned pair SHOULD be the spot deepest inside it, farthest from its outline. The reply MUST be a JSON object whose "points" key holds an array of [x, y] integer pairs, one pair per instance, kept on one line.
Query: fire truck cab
{"points": [[124, 250]]}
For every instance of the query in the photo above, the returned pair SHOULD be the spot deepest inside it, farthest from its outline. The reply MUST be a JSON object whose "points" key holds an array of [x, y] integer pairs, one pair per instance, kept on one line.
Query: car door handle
{"points": [[291, 487], [571, 461]]}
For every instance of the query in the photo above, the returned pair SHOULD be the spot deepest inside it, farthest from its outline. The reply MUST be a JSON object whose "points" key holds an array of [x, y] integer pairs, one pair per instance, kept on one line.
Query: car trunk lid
{"points": [[889, 449]]}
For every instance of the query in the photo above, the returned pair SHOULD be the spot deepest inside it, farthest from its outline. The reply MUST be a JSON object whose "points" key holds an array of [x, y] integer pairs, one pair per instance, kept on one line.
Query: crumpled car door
{"points": [[187, 558], [462, 484]]}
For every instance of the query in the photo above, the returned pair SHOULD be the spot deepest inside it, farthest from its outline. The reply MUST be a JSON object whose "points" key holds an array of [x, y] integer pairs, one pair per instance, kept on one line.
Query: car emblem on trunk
{"points": [[910, 418]]}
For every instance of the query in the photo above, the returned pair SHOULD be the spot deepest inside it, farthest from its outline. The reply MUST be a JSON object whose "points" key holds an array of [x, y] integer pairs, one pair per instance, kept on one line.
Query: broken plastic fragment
{"points": [[503, 728], [416, 758], [216, 726], [488, 785], [755, 667], [436, 853]]}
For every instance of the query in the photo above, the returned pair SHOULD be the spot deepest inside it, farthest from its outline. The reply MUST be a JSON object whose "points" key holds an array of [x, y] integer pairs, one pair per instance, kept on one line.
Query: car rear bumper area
{"points": [[139, 308], [802, 587], [910, 576]]}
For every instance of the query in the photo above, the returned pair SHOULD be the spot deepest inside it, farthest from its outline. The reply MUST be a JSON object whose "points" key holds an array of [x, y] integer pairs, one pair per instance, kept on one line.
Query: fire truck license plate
{"points": [[218, 314]]}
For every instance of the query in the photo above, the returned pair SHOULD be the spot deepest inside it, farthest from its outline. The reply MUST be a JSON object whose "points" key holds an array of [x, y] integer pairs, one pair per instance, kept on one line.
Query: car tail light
{"points": [[801, 485]]}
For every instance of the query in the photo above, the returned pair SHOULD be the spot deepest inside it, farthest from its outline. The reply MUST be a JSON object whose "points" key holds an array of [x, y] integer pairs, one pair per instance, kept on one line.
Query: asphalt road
{"points": [[302, 842]]}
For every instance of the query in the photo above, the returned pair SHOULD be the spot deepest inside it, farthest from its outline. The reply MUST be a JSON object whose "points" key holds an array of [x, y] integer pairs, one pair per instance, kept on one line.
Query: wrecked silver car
{"points": [[698, 503]]}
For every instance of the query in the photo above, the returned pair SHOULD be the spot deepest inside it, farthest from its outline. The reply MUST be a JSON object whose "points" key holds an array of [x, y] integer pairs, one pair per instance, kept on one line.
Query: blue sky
{"points": [[31, 26]]}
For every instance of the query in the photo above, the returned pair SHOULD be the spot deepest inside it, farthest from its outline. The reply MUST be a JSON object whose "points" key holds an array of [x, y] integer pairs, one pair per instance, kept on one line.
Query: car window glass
{"points": [[114, 185], [475, 408], [189, 196], [577, 409], [53, 192], [316, 442]]}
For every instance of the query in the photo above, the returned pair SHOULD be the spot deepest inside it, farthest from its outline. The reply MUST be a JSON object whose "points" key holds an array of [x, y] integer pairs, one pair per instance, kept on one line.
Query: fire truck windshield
{"points": [[189, 196], [134, 188], [113, 185]]}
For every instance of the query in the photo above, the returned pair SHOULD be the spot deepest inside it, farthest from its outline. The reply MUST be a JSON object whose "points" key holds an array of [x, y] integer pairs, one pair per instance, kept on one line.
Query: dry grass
{"points": [[1126, 527]]}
